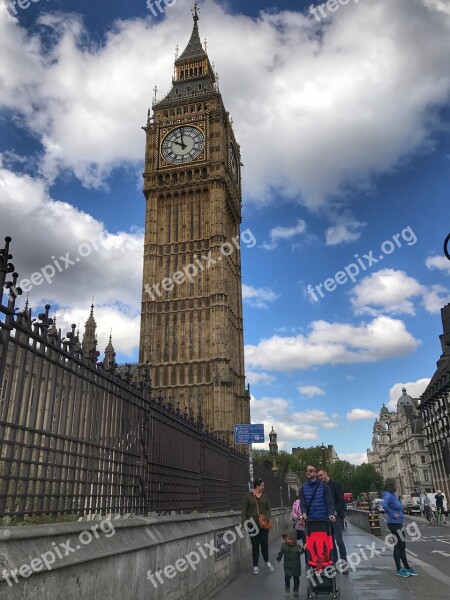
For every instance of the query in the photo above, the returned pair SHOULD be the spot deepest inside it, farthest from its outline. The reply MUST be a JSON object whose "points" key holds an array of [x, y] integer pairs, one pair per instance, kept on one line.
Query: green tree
{"points": [[343, 472], [307, 456], [284, 463], [366, 479]]}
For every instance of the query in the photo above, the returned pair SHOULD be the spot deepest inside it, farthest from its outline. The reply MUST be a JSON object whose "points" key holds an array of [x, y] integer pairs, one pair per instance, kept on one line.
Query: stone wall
{"points": [[111, 560], [358, 517]]}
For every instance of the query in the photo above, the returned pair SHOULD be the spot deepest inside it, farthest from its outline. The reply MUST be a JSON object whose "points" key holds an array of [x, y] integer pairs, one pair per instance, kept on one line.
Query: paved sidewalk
{"points": [[372, 579]]}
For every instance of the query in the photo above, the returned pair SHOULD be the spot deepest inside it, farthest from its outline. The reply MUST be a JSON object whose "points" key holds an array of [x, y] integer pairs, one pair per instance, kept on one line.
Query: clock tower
{"points": [[191, 322]]}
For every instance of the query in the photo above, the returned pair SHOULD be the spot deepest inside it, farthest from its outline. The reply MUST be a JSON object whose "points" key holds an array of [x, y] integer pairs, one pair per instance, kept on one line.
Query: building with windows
{"points": [[399, 446], [434, 405]]}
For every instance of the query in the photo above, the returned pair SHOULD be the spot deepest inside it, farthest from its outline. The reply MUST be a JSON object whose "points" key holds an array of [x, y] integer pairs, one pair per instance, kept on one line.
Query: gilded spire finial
{"points": [[195, 12]]}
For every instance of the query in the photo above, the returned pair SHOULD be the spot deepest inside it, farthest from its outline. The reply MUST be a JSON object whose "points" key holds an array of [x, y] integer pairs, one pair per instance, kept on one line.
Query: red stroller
{"points": [[319, 548]]}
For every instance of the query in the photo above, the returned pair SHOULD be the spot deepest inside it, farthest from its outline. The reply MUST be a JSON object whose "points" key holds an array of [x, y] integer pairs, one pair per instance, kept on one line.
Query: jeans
{"points": [[400, 546], [338, 528], [260, 540], [301, 535], [287, 582]]}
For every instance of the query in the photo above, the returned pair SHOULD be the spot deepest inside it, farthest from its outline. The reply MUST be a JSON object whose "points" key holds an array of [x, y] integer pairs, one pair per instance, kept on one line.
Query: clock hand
{"points": [[183, 144]]}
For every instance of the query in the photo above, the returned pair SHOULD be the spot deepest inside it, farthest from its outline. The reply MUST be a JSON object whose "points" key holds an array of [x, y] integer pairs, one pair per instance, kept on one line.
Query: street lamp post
{"points": [[324, 464], [273, 449]]}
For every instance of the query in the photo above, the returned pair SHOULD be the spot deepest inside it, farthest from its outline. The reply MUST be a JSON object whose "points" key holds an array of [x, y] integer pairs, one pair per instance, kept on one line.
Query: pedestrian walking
{"points": [[299, 521], [422, 504], [394, 517], [292, 567], [338, 526], [427, 507], [439, 500], [255, 505]]}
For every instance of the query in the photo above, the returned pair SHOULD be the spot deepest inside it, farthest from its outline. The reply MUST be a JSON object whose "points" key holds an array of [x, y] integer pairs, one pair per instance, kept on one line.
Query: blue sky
{"points": [[343, 124]]}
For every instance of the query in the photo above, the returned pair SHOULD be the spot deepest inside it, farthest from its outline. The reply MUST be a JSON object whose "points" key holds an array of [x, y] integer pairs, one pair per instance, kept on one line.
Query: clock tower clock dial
{"points": [[233, 163], [182, 145]]}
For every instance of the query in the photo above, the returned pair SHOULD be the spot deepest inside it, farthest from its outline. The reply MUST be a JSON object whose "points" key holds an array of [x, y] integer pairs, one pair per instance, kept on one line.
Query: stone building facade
{"points": [[191, 322], [399, 447], [435, 408]]}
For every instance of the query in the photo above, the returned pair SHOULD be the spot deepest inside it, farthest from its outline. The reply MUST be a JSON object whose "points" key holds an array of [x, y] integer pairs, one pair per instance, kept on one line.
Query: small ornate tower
{"points": [[89, 343], [109, 360], [191, 323]]}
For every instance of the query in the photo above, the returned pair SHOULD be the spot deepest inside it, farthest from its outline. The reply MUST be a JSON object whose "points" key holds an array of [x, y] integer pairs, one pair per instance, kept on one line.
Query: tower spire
{"points": [[194, 50], [193, 74], [195, 13], [89, 343]]}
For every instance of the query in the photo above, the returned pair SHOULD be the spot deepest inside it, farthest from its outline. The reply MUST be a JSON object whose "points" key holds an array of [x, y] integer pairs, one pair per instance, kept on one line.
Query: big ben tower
{"points": [[191, 322]]}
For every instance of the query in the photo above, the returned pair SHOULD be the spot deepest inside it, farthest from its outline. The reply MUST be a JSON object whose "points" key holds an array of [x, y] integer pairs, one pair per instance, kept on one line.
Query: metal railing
{"points": [[77, 436]]}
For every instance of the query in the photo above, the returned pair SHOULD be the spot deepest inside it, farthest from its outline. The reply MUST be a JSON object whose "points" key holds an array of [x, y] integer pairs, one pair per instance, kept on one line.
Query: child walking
{"points": [[292, 569]]}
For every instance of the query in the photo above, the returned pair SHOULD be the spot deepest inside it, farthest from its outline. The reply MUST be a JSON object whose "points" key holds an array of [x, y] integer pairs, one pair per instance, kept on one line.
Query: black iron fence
{"points": [[77, 436]]}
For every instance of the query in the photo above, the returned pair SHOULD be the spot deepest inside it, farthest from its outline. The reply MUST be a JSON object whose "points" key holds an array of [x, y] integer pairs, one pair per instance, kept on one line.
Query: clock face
{"points": [[183, 144], [233, 163]]}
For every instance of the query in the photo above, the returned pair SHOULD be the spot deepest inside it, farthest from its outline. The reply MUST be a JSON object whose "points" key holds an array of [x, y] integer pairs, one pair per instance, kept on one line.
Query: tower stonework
{"points": [[191, 322]]}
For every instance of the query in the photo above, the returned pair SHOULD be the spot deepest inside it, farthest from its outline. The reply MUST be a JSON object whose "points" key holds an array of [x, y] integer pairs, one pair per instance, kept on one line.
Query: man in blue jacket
{"points": [[339, 504], [316, 499]]}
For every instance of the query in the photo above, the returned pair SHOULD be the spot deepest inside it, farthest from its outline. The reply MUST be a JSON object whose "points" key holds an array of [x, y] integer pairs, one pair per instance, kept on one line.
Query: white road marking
{"points": [[433, 571], [440, 552]]}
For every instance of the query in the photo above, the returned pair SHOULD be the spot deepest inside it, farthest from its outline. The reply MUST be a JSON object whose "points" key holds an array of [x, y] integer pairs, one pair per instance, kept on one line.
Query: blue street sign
{"points": [[249, 434]]}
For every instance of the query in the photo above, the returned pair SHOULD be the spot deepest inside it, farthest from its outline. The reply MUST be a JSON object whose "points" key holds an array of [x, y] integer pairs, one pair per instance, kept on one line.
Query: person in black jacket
{"points": [[338, 526]]}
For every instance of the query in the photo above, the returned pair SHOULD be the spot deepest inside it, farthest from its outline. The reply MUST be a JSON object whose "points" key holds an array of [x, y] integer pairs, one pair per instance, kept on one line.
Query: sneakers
{"points": [[411, 572], [287, 590], [269, 566], [255, 570], [402, 573], [295, 592]]}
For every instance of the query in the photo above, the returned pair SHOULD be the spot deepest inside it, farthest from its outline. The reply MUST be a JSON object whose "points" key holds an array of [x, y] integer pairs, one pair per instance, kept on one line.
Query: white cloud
{"points": [[438, 262], [292, 426], [44, 230], [435, 297], [345, 120], [346, 231], [358, 414], [441, 5], [355, 458], [333, 343], [279, 233], [258, 297], [254, 378], [391, 291], [413, 388], [311, 390], [386, 291]]}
